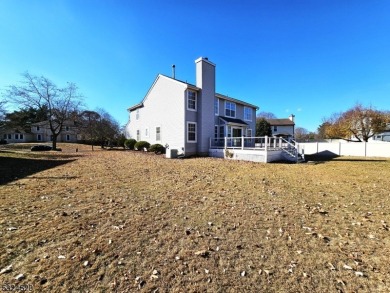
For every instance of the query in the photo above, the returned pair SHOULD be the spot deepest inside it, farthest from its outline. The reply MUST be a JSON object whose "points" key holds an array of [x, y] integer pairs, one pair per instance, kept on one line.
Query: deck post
{"points": [[242, 142], [225, 143], [266, 149]]}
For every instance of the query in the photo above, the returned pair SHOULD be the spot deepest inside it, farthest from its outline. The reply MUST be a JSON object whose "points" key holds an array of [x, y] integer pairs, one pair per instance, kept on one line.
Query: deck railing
{"points": [[244, 142], [265, 143]]}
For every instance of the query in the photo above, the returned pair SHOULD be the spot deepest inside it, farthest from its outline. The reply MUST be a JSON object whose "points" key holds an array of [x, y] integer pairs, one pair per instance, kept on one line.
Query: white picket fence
{"points": [[357, 149]]}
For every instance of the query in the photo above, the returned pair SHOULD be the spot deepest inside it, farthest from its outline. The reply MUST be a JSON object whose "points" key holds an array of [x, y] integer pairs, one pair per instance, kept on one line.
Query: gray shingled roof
{"points": [[280, 122]]}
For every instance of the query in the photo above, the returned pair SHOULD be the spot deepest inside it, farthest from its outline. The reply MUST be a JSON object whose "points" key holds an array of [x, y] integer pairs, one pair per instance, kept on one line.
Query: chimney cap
{"points": [[204, 59]]}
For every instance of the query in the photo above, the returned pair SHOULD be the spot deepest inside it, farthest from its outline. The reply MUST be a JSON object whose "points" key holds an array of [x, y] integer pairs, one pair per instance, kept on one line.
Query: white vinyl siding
{"points": [[191, 132], [164, 106], [191, 100], [247, 114], [230, 109]]}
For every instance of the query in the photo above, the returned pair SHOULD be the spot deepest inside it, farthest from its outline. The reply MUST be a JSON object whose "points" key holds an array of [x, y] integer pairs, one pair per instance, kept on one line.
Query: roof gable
{"points": [[141, 104]]}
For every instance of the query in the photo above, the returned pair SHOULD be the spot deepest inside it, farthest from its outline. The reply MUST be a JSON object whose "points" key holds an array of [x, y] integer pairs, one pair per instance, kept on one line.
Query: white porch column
{"points": [[266, 149]]}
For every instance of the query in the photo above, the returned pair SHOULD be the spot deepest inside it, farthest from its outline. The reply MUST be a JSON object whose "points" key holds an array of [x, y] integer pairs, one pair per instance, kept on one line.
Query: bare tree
{"points": [[266, 115], [301, 133], [89, 125], [40, 92]]}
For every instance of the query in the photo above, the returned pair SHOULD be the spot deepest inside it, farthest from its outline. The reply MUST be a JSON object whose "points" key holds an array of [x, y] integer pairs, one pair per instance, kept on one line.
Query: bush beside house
{"points": [[142, 145], [130, 143], [157, 148]]}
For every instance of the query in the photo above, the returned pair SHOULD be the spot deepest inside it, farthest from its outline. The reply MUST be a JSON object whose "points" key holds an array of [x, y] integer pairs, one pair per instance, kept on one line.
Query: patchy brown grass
{"points": [[120, 221]]}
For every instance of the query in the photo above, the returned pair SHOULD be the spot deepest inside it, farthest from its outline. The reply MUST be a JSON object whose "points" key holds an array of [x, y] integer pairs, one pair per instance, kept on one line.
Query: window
{"points": [[229, 131], [230, 109], [67, 137], [66, 128], [16, 136], [158, 133], [9, 136], [137, 114], [37, 128], [138, 135], [216, 106], [191, 131], [222, 131], [147, 132], [216, 131], [249, 132], [39, 137], [191, 100], [21, 136], [275, 128], [247, 114]]}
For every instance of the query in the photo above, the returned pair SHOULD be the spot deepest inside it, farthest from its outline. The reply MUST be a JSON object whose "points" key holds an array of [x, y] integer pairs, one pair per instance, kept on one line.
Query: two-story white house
{"points": [[186, 117], [41, 132], [283, 127]]}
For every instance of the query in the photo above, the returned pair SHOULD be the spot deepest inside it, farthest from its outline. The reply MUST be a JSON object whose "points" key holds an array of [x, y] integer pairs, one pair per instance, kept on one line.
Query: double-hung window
{"points": [[230, 109], [216, 106], [247, 114], [158, 133], [191, 100], [191, 131], [137, 114]]}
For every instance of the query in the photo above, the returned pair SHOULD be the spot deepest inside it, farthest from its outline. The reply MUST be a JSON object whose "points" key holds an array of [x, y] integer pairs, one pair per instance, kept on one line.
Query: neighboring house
{"points": [[283, 127], [41, 132], [185, 117], [15, 135], [384, 136]]}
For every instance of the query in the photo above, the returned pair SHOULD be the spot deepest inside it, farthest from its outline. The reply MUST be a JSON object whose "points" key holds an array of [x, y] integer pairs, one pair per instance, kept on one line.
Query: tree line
{"points": [[39, 99], [358, 123]]}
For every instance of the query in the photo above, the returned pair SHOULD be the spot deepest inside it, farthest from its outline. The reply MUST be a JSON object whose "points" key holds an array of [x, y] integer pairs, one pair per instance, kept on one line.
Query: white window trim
{"points": [[138, 134], [250, 109], [235, 111], [216, 113], [196, 101], [159, 133], [196, 134]]}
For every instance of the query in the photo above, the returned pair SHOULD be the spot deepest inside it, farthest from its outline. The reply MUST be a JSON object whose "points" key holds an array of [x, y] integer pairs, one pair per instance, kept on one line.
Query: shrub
{"points": [[157, 148], [120, 141], [130, 143], [141, 145]]}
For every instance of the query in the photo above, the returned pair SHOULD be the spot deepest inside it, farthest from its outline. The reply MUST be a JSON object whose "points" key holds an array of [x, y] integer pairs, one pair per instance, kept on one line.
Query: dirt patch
{"points": [[126, 221]]}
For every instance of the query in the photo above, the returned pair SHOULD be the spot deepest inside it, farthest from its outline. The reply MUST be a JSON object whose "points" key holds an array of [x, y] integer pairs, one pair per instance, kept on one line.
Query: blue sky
{"points": [[310, 58]]}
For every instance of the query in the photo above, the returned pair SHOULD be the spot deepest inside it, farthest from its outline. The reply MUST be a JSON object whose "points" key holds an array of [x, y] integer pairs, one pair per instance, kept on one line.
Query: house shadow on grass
{"points": [[325, 156], [12, 168]]}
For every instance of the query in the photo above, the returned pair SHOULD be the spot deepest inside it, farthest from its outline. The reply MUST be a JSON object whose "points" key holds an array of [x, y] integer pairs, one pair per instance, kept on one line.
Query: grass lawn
{"points": [[122, 221]]}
